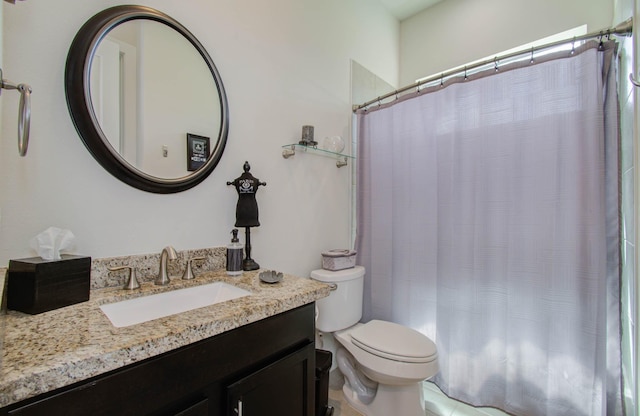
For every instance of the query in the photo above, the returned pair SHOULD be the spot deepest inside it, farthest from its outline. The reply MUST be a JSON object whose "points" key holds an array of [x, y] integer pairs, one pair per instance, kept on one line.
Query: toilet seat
{"points": [[394, 342], [396, 372]]}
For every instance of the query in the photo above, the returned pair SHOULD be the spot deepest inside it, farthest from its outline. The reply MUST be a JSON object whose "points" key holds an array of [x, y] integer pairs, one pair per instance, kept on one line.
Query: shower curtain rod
{"points": [[625, 28]]}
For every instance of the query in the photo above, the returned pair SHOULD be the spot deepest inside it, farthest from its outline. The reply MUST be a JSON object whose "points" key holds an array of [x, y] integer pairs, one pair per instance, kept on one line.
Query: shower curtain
{"points": [[487, 219]]}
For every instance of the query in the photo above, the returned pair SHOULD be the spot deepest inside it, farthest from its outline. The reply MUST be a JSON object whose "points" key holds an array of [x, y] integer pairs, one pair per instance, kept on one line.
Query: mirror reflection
{"points": [[146, 99], [154, 98]]}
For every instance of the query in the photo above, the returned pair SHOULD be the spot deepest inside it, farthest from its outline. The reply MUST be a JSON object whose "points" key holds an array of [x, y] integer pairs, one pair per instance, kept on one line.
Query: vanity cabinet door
{"points": [[284, 388]]}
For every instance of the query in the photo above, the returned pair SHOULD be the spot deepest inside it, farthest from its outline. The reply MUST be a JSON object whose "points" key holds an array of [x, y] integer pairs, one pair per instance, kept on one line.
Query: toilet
{"points": [[383, 363]]}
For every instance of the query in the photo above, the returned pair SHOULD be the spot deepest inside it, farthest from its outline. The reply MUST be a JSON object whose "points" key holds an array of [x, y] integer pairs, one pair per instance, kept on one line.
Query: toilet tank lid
{"points": [[339, 275]]}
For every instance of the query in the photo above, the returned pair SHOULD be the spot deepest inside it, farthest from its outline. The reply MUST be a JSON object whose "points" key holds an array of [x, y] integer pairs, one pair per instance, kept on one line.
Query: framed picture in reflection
{"points": [[197, 151]]}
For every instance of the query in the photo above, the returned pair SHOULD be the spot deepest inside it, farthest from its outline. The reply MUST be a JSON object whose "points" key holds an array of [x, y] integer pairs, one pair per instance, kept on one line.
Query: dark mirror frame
{"points": [[77, 82]]}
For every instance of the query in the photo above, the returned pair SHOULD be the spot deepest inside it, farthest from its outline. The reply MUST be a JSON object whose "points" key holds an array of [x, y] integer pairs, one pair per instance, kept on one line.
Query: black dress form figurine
{"points": [[247, 210]]}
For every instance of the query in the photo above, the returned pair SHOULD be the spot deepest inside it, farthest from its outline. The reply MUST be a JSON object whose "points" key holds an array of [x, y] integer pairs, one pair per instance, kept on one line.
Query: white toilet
{"points": [[383, 363]]}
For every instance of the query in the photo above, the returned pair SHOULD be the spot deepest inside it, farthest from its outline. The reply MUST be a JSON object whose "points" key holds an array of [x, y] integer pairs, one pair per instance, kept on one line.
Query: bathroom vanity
{"points": [[254, 355]]}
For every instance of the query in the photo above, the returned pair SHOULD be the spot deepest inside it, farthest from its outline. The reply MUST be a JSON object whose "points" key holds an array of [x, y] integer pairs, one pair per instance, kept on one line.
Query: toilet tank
{"points": [[343, 307]]}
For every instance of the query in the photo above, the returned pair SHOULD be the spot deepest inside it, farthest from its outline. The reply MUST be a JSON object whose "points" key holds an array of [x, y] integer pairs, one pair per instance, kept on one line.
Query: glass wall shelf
{"points": [[290, 150]]}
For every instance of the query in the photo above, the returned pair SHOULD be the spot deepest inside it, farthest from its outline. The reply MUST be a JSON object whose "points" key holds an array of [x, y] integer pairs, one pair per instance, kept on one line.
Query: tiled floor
{"points": [[436, 403], [340, 405]]}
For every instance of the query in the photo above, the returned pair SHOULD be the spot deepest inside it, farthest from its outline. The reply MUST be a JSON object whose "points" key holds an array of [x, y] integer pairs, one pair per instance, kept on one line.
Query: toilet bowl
{"points": [[383, 363]]}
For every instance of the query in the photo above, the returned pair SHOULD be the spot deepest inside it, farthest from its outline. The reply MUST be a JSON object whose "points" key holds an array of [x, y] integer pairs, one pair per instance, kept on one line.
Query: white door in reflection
{"points": [[113, 95]]}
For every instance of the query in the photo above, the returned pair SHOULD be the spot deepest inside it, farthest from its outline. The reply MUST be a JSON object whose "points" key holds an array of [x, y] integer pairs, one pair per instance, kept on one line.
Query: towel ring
{"points": [[24, 108]]}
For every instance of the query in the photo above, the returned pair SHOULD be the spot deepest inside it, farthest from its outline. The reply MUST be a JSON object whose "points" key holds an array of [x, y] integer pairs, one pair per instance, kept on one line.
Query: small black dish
{"points": [[270, 276]]}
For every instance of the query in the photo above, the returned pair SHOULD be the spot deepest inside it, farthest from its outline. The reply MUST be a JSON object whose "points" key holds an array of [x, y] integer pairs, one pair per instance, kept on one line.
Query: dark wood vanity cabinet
{"points": [[264, 368], [276, 389]]}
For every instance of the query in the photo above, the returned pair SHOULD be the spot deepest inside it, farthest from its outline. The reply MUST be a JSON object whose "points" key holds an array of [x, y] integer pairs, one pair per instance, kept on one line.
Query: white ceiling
{"points": [[402, 9]]}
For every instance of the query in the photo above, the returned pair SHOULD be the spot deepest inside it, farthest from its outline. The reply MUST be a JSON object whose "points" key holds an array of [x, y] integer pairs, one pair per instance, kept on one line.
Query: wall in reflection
{"points": [[149, 88]]}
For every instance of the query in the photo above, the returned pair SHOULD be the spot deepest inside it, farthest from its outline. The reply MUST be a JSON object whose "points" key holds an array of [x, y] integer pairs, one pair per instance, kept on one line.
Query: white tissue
{"points": [[49, 243]]}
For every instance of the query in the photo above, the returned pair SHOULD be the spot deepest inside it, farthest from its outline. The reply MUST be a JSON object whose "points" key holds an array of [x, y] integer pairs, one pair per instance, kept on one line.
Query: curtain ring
{"points": [[531, 60], [465, 73], [600, 43], [573, 45], [495, 64], [442, 80]]}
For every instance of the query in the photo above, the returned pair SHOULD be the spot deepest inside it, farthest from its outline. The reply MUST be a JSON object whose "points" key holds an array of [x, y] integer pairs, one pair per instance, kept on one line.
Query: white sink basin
{"points": [[146, 308]]}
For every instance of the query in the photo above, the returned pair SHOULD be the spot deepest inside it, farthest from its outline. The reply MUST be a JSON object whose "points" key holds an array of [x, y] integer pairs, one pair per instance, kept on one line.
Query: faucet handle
{"points": [[188, 273], [132, 280]]}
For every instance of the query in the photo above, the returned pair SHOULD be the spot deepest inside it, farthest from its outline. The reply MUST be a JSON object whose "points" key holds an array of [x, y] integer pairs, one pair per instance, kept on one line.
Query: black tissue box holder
{"points": [[36, 285]]}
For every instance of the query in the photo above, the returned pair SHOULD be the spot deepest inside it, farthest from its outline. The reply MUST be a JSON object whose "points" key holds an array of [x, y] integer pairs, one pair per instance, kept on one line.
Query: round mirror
{"points": [[146, 99]]}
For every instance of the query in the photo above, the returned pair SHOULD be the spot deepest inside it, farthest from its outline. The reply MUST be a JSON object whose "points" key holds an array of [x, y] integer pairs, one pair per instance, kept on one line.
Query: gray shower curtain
{"points": [[487, 218]]}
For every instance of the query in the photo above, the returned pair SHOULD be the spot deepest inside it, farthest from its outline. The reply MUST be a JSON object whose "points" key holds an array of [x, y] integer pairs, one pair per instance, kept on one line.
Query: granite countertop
{"points": [[43, 352]]}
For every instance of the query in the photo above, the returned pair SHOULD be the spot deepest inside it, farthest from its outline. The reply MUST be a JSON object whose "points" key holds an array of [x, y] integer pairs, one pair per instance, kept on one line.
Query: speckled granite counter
{"points": [[43, 352]]}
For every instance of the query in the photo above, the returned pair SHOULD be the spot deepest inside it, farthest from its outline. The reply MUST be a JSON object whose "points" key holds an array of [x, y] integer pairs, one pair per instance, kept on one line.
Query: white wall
{"points": [[623, 9], [455, 32], [284, 63], [629, 113], [1, 99]]}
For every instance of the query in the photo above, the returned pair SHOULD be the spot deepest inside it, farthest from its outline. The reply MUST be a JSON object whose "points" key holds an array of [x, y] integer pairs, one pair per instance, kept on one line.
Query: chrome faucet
{"points": [[170, 253]]}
